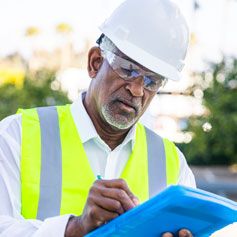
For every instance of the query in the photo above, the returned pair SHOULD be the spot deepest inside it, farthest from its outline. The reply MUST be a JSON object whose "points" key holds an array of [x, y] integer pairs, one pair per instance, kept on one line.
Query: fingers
{"points": [[118, 190], [184, 233], [101, 215], [121, 196], [109, 204], [167, 234], [181, 233], [94, 216], [106, 200], [120, 184]]}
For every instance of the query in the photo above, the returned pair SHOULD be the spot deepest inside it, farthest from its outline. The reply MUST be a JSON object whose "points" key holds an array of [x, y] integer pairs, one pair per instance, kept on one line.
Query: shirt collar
{"points": [[86, 127]]}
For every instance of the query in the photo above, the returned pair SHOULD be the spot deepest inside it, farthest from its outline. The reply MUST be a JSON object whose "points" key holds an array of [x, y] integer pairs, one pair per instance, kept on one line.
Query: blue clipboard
{"points": [[177, 207]]}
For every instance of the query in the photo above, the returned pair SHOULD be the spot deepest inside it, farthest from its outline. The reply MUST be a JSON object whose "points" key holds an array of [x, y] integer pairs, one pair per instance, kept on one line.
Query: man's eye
{"points": [[149, 82], [127, 72], [130, 72]]}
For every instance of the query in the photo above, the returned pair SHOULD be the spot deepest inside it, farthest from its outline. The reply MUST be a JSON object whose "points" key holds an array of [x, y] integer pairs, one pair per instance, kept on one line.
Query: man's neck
{"points": [[111, 136]]}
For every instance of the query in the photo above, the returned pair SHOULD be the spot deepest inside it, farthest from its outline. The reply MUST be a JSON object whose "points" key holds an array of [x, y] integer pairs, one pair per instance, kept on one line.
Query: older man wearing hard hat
{"points": [[51, 156]]}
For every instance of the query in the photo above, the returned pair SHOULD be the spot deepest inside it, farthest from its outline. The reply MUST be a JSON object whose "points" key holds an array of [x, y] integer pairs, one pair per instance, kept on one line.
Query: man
{"points": [[50, 157]]}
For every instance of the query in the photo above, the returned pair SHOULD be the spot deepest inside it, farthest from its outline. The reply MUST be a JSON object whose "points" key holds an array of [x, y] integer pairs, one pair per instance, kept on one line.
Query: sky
{"points": [[214, 22], [17, 15]]}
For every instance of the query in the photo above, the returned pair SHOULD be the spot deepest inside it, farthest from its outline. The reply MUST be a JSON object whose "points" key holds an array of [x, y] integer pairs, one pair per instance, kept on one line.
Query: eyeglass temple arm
{"points": [[174, 93]]}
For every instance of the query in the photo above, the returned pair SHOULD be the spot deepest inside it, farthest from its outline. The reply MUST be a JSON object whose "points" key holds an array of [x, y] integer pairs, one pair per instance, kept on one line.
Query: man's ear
{"points": [[95, 61]]}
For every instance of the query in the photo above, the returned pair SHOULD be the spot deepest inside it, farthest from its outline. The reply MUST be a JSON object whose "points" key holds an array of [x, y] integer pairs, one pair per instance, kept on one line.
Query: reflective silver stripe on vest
{"points": [[156, 163], [51, 164]]}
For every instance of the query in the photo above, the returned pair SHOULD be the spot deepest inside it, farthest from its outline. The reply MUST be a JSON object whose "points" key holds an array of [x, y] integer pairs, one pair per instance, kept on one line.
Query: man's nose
{"points": [[136, 87]]}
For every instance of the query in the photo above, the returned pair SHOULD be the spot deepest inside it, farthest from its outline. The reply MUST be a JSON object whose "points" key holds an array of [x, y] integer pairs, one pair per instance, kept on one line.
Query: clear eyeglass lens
{"points": [[127, 72], [151, 83]]}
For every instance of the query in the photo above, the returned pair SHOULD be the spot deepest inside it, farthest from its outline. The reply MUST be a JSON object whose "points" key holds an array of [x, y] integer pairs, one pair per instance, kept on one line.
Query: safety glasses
{"points": [[129, 71]]}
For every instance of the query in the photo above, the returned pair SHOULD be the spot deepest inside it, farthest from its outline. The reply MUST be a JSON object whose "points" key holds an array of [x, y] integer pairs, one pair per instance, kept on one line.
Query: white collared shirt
{"points": [[103, 161]]}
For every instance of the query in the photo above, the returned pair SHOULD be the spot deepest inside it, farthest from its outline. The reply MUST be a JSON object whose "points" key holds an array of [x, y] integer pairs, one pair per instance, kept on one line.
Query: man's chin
{"points": [[121, 125], [119, 120]]}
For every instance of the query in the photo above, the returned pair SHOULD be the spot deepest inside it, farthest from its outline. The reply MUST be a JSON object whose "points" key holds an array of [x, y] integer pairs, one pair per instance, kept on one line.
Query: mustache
{"points": [[134, 102]]}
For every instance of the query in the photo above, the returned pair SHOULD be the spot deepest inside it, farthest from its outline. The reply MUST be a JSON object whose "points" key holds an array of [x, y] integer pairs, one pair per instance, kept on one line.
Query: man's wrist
{"points": [[74, 227]]}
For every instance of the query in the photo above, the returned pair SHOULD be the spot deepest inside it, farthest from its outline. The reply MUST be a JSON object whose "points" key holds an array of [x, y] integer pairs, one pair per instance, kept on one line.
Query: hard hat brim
{"points": [[145, 59]]}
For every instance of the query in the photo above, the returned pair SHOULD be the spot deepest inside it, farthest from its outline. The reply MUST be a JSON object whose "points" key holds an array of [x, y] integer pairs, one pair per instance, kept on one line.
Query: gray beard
{"points": [[116, 122]]}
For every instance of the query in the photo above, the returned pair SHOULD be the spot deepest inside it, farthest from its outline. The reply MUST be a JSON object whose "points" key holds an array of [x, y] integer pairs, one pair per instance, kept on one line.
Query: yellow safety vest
{"points": [[56, 175]]}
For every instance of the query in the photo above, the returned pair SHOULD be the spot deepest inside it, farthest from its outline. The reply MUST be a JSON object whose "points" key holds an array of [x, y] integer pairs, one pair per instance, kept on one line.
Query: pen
{"points": [[99, 177]]}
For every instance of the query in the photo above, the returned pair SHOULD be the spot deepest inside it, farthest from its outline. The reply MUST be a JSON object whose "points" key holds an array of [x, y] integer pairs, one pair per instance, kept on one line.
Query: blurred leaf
{"points": [[14, 76], [214, 141], [36, 91], [32, 31], [63, 28]]}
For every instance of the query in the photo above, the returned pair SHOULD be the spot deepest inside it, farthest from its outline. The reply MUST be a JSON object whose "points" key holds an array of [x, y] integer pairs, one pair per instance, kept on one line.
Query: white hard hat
{"points": [[152, 32]]}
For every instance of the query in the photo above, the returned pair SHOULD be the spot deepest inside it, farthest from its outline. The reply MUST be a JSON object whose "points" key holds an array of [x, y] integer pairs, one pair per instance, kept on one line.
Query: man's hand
{"points": [[181, 233], [107, 199]]}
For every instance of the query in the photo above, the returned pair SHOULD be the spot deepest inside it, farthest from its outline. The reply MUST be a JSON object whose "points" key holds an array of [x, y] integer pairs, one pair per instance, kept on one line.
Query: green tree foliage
{"points": [[40, 89], [215, 134]]}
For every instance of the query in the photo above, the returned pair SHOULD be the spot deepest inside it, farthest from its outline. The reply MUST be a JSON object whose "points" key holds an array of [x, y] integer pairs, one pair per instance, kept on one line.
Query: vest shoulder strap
{"points": [[163, 162]]}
